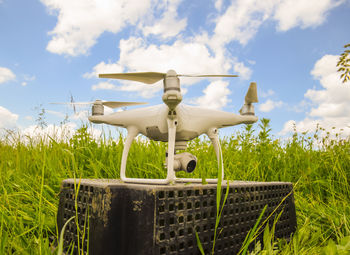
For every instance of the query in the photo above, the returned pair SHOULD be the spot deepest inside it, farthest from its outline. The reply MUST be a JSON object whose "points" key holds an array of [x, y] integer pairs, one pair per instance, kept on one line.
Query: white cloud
{"points": [[218, 4], [269, 105], [243, 71], [243, 18], [168, 25], [24, 83], [7, 118], [144, 90], [183, 56], [215, 95], [310, 13], [6, 75], [330, 110], [330, 105], [268, 93], [104, 86], [241, 21], [201, 53], [81, 22], [103, 67]]}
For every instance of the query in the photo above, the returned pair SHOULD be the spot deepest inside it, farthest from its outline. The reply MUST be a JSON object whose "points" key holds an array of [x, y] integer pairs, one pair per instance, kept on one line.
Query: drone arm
{"points": [[214, 137], [132, 133]]}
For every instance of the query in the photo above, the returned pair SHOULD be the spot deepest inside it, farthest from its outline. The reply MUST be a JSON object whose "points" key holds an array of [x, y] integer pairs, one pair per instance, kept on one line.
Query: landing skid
{"points": [[171, 177]]}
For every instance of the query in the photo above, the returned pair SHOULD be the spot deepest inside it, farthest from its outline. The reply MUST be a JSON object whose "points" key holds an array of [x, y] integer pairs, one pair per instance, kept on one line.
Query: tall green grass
{"points": [[31, 170]]}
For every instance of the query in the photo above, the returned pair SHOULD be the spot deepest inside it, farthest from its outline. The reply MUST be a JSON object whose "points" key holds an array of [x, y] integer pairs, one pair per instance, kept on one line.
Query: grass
{"points": [[31, 171]]}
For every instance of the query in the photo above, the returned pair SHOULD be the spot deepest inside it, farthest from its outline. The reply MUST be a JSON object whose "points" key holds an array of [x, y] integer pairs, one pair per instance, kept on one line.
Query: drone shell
{"points": [[191, 121]]}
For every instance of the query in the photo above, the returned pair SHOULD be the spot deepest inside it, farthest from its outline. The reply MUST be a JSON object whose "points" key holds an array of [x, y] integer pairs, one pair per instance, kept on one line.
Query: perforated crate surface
{"points": [[78, 207], [162, 219]]}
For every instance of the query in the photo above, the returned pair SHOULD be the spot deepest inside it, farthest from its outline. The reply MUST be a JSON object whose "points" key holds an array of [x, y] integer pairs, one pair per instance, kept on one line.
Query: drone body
{"points": [[191, 121], [171, 122]]}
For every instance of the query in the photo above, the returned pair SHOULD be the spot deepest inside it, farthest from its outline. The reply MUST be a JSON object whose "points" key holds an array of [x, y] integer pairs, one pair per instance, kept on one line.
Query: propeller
{"points": [[111, 104], [252, 94], [153, 77], [145, 77], [250, 97]]}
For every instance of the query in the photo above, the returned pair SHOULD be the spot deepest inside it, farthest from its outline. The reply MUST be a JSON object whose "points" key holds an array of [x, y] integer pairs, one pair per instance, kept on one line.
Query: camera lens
{"points": [[191, 166]]}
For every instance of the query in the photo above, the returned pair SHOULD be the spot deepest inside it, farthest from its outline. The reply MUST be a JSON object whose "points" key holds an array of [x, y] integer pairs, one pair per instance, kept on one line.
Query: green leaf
{"points": [[199, 244]]}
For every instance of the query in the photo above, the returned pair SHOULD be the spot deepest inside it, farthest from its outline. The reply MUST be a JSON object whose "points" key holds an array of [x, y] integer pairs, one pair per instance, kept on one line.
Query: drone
{"points": [[171, 122]]}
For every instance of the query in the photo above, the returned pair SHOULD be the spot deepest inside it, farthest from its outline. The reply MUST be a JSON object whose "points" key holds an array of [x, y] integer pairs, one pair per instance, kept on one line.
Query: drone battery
{"points": [[111, 217]]}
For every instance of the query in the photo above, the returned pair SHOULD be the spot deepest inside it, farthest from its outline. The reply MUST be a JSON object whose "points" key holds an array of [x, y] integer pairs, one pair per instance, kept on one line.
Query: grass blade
{"points": [[251, 233], [60, 242], [199, 244]]}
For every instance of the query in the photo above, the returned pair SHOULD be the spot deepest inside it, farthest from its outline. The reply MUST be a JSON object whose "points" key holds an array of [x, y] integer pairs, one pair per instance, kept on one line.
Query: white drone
{"points": [[171, 122]]}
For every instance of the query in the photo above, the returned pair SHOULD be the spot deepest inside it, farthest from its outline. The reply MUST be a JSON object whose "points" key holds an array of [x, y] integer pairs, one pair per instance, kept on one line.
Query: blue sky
{"points": [[52, 49]]}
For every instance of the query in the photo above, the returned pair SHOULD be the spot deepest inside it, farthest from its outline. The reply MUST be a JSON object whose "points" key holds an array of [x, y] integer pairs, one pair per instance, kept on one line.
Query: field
{"points": [[31, 171]]}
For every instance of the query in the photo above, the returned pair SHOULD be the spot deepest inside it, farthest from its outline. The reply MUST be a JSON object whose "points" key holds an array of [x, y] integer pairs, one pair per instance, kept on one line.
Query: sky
{"points": [[53, 50]]}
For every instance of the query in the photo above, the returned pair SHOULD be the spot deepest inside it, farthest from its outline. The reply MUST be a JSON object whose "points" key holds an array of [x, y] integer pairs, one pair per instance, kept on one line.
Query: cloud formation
{"points": [[103, 67], [330, 105], [7, 118], [241, 21], [168, 25], [269, 105], [215, 95], [304, 14], [104, 86], [81, 22], [6, 75], [244, 17]]}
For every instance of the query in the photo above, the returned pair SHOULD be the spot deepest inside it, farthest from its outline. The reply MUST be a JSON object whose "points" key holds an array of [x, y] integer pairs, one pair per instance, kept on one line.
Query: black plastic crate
{"points": [[120, 218]]}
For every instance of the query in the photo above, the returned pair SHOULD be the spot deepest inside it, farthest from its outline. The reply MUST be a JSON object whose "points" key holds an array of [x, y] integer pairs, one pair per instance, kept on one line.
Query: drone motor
{"points": [[172, 93], [97, 108]]}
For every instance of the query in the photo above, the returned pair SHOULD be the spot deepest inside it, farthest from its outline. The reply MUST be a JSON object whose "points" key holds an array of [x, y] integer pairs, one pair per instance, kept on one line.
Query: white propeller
{"points": [[252, 94], [111, 104], [153, 77], [250, 98]]}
